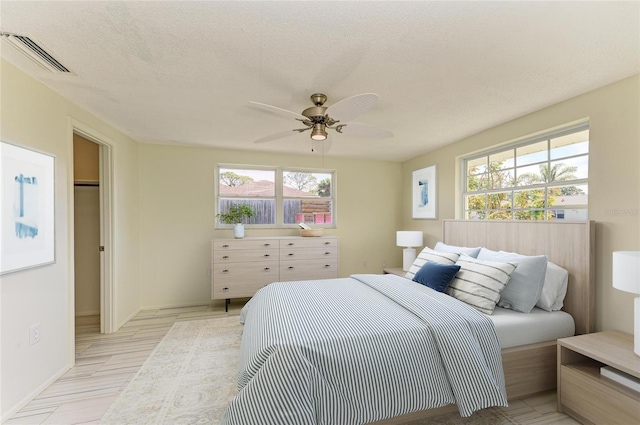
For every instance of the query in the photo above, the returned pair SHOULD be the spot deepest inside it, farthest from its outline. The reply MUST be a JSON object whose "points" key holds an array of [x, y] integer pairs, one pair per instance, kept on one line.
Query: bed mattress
{"points": [[515, 328]]}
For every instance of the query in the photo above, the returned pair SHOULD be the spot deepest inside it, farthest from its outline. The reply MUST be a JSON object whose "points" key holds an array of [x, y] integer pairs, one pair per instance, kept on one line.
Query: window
{"points": [[279, 196], [307, 197], [539, 179]]}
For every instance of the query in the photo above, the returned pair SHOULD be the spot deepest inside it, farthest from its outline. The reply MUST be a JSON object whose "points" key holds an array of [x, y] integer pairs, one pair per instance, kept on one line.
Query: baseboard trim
{"points": [[131, 316], [33, 394]]}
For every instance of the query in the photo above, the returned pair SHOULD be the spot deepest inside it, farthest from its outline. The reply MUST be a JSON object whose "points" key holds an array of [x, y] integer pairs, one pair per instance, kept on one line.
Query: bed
{"points": [[528, 368]]}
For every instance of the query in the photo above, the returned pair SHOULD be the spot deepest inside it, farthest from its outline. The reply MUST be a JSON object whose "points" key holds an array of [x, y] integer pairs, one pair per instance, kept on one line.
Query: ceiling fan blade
{"points": [[349, 108], [279, 111], [280, 135], [354, 129]]}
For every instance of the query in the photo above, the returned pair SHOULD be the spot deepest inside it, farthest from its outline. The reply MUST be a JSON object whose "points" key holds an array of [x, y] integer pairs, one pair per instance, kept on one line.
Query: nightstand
{"points": [[583, 392], [394, 270]]}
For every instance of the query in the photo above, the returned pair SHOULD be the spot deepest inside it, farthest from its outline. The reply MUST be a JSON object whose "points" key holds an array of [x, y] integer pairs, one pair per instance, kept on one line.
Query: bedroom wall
{"points": [[614, 180], [177, 216], [34, 116]]}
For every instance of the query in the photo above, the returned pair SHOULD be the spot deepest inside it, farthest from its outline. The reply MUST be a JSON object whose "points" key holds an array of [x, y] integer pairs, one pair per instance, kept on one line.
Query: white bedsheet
{"points": [[514, 328]]}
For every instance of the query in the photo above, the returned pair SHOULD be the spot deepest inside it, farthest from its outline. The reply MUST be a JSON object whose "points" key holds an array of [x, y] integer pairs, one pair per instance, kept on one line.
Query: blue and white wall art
{"points": [[27, 231], [424, 192]]}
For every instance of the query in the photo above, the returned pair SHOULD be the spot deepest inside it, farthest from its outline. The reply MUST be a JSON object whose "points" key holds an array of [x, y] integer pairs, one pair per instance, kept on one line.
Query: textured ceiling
{"points": [[184, 72]]}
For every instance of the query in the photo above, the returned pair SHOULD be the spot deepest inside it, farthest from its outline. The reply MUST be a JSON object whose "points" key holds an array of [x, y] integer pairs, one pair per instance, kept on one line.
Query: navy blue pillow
{"points": [[436, 276]]}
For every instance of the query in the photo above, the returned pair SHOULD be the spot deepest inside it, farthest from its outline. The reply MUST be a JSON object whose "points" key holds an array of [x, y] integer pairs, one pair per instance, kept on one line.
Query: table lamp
{"points": [[626, 277], [408, 239]]}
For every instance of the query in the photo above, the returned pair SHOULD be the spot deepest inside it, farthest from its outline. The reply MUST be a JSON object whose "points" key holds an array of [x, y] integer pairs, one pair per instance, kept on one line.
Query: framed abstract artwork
{"points": [[27, 213], [424, 201]]}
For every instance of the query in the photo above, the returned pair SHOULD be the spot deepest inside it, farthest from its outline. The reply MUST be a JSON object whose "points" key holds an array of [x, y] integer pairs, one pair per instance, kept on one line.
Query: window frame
{"points": [[278, 198], [512, 189]]}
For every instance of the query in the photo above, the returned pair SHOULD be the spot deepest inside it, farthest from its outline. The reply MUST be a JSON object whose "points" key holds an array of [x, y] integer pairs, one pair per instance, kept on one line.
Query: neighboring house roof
{"points": [[261, 188], [571, 200]]}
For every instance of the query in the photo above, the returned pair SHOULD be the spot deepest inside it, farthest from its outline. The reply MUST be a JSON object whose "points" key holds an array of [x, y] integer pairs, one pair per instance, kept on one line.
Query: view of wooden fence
{"points": [[316, 210]]}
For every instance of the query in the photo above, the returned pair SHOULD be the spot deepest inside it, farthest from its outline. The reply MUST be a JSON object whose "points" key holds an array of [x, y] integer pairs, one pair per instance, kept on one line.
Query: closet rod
{"points": [[79, 183]]}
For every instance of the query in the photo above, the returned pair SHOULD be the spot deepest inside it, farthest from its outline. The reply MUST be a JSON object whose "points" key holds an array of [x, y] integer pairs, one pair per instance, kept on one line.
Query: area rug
{"points": [[190, 378]]}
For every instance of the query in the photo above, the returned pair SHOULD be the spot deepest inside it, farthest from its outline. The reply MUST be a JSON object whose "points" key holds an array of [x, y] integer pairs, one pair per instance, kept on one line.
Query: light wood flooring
{"points": [[106, 363]]}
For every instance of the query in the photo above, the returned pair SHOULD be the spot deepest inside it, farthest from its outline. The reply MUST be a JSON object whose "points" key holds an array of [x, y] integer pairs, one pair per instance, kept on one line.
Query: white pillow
{"points": [[554, 290], [479, 283], [471, 252], [525, 286], [427, 254]]}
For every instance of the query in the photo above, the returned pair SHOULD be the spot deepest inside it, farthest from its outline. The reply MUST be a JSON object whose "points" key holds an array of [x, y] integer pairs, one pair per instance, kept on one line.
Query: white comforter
{"points": [[360, 349]]}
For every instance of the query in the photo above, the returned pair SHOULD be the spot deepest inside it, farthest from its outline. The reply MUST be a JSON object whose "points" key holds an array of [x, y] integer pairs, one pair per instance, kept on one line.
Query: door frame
{"points": [[107, 288]]}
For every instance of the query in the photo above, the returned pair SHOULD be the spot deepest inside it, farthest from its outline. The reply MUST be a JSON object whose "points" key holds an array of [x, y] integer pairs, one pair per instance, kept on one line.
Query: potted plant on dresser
{"points": [[236, 215]]}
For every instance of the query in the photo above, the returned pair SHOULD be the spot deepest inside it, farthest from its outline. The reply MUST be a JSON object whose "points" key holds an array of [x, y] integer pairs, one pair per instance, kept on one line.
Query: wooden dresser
{"points": [[242, 266]]}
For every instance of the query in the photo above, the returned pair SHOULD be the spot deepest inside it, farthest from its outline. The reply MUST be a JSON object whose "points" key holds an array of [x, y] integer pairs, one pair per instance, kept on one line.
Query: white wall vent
{"points": [[35, 52]]}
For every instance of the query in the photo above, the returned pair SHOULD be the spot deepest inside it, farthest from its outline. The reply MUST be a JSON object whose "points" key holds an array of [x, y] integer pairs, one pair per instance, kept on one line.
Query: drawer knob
{"points": [[290, 255], [327, 265], [327, 243], [291, 267], [290, 244], [225, 246], [225, 289], [267, 269], [327, 253], [225, 271], [225, 256], [267, 255], [267, 244]]}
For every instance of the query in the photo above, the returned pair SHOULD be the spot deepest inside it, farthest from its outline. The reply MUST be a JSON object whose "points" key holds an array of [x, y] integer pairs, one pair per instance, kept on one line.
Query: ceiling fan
{"points": [[320, 118]]}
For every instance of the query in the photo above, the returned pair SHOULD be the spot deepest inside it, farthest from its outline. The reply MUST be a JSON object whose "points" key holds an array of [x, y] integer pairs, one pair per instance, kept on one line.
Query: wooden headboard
{"points": [[570, 245]]}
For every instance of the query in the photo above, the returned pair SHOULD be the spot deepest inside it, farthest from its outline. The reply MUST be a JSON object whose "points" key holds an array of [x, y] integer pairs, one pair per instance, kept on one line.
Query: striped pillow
{"points": [[479, 282], [427, 254]]}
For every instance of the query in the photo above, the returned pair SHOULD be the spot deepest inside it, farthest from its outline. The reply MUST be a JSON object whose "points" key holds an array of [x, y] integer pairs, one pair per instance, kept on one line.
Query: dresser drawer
{"points": [[240, 255], [310, 242], [242, 244], [244, 270], [308, 253], [243, 279], [307, 270], [239, 290]]}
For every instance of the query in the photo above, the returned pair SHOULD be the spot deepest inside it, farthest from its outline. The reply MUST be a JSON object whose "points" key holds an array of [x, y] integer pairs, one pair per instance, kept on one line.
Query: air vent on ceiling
{"points": [[35, 52]]}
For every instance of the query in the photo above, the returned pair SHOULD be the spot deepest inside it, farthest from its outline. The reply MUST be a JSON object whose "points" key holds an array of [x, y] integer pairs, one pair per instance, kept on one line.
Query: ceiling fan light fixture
{"points": [[318, 132]]}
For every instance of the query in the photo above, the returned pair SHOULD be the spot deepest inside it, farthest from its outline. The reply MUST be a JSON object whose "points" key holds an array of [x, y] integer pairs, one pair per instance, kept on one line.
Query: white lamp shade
{"points": [[626, 271], [409, 238]]}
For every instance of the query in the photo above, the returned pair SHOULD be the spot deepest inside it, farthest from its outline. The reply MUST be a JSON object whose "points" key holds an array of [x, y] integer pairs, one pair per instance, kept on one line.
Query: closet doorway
{"points": [[92, 303], [86, 195]]}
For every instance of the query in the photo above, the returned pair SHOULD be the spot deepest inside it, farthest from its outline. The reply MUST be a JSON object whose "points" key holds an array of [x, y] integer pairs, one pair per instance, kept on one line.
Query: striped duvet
{"points": [[360, 349]]}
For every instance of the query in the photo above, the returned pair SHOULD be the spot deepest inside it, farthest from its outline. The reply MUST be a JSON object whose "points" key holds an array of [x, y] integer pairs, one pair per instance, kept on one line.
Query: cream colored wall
{"points": [[177, 216], [34, 116], [614, 180]]}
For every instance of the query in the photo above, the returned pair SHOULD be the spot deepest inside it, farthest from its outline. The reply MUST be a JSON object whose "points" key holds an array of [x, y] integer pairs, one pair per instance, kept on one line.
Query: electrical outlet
{"points": [[34, 334], [384, 263], [365, 264]]}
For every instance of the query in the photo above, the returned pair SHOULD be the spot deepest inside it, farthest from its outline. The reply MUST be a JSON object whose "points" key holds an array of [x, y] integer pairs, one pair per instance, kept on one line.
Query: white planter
{"points": [[238, 230]]}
